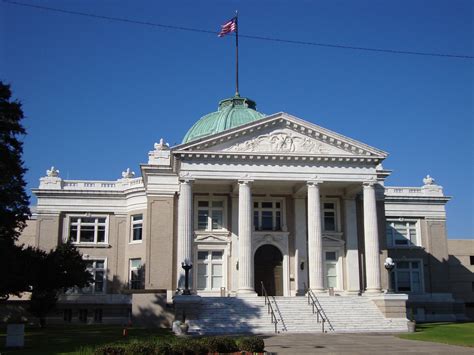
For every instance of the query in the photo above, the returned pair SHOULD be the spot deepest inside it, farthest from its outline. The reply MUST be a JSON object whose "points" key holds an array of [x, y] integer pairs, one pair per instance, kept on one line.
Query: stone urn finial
{"points": [[162, 145], [428, 180], [128, 174], [53, 172]]}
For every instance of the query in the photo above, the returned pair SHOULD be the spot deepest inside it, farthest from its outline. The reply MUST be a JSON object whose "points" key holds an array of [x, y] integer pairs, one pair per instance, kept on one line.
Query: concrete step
{"points": [[347, 314]]}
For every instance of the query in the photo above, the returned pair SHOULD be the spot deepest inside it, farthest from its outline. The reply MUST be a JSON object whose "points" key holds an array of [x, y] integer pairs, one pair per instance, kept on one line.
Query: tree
{"points": [[14, 201], [62, 268], [28, 269]]}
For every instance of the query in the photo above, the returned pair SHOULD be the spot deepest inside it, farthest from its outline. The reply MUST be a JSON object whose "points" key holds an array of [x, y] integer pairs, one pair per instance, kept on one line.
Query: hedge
{"points": [[185, 346]]}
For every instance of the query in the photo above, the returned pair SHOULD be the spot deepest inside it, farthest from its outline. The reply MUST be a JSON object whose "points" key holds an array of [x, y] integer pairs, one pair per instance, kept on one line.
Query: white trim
{"points": [[420, 270], [337, 214], [282, 209], [132, 224], [411, 243], [279, 240], [67, 227], [225, 255], [211, 198], [339, 273], [104, 290]]}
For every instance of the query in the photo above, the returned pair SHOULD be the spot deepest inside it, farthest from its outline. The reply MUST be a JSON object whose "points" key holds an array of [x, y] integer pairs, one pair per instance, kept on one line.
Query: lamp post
{"points": [[186, 268], [389, 265]]}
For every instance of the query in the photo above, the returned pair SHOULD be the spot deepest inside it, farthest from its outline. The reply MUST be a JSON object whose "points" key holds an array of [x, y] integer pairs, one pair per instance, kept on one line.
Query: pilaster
{"points": [[352, 249]]}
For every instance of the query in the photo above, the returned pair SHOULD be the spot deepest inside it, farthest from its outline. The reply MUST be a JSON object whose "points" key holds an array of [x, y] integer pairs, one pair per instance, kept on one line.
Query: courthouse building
{"points": [[249, 198]]}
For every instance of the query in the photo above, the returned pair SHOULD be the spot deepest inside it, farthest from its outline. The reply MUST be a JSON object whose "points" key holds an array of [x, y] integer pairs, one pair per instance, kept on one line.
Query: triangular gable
{"points": [[281, 133]]}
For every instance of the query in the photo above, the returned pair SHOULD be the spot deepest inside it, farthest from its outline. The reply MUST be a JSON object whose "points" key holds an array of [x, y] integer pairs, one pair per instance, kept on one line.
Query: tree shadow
{"points": [[224, 315]]}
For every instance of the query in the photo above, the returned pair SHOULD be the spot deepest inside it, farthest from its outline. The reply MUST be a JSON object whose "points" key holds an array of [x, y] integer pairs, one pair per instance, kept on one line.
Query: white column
{"points": [[371, 239], [235, 244], [185, 230], [246, 283], [315, 239], [352, 249], [301, 251]]}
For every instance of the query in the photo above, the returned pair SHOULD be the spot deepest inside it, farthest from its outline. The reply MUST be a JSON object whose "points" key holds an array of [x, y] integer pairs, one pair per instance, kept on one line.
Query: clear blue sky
{"points": [[97, 94]]}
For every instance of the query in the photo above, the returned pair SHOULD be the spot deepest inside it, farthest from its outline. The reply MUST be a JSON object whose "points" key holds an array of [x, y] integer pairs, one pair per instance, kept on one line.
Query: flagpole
{"points": [[236, 53]]}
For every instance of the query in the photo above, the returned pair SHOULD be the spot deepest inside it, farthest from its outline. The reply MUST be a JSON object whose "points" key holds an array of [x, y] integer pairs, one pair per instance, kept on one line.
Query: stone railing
{"points": [[396, 191], [427, 190], [57, 183]]}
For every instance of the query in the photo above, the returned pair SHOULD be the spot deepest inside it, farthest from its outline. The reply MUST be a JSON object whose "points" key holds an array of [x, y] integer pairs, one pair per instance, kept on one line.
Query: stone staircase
{"points": [[347, 314]]}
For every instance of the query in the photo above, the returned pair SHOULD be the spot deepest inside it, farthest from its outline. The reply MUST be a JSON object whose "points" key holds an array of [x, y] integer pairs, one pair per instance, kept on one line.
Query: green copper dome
{"points": [[232, 112]]}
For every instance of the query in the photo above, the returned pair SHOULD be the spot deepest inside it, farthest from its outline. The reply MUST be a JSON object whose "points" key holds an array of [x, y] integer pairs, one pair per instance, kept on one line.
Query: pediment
{"points": [[211, 237], [282, 134]]}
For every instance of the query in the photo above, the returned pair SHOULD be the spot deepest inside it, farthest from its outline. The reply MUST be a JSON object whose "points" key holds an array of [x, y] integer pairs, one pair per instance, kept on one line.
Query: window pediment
{"points": [[211, 237]]}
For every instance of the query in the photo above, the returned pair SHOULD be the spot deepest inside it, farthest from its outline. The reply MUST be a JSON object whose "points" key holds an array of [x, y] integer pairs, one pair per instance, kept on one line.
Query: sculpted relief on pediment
{"points": [[283, 141]]}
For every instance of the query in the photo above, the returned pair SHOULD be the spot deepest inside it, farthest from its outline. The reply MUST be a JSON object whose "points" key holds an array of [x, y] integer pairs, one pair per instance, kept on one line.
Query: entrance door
{"points": [[330, 266], [268, 268]]}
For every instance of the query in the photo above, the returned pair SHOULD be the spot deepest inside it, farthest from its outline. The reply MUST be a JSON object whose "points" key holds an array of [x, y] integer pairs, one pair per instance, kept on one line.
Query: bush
{"points": [[140, 348], [188, 346], [110, 349], [220, 344], [251, 344], [162, 349]]}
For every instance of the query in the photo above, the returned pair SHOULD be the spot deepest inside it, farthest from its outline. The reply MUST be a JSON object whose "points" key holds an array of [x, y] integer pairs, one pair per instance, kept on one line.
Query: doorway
{"points": [[268, 266]]}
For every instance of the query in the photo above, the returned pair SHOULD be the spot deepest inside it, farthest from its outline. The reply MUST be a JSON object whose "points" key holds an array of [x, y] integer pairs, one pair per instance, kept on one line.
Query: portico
{"points": [[284, 182]]}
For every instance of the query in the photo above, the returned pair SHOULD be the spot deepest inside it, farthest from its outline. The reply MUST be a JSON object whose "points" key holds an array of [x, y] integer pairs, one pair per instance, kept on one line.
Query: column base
{"points": [[373, 291], [319, 290], [352, 292]]}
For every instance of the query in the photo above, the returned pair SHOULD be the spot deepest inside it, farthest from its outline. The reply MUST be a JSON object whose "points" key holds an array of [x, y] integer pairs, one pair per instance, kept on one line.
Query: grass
{"points": [[446, 333], [77, 339]]}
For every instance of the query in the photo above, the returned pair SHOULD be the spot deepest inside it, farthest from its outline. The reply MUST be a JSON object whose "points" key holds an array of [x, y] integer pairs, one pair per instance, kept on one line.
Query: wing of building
{"points": [[252, 200]]}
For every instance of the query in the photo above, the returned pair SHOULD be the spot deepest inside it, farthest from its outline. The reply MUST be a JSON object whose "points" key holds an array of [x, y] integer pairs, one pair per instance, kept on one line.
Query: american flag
{"points": [[228, 27]]}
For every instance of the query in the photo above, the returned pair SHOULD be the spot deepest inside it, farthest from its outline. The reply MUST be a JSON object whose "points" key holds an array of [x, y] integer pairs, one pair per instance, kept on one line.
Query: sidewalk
{"points": [[373, 344]]}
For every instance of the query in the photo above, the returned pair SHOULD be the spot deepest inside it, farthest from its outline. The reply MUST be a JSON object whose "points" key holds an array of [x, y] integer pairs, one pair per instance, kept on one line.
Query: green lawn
{"points": [[447, 333], [71, 339]]}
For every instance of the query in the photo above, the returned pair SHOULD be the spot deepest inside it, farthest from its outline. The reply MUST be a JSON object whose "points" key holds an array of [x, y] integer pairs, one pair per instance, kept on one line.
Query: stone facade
{"points": [[317, 197]]}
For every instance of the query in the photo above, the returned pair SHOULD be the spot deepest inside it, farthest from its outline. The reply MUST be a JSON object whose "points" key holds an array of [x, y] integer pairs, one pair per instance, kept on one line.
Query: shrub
{"points": [[186, 346], [220, 344], [162, 349], [110, 349], [139, 347], [251, 344]]}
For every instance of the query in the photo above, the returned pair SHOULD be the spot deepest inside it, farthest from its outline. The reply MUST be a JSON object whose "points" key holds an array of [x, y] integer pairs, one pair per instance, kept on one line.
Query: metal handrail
{"points": [[270, 308], [314, 302], [279, 313]]}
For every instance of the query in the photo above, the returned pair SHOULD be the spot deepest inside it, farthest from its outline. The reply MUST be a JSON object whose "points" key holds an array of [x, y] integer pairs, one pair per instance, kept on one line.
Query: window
{"points": [[97, 269], [137, 228], [402, 233], [471, 259], [136, 274], [210, 270], [267, 215], [329, 217], [407, 276], [98, 315], [88, 229], [67, 315], [210, 214], [83, 315]]}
